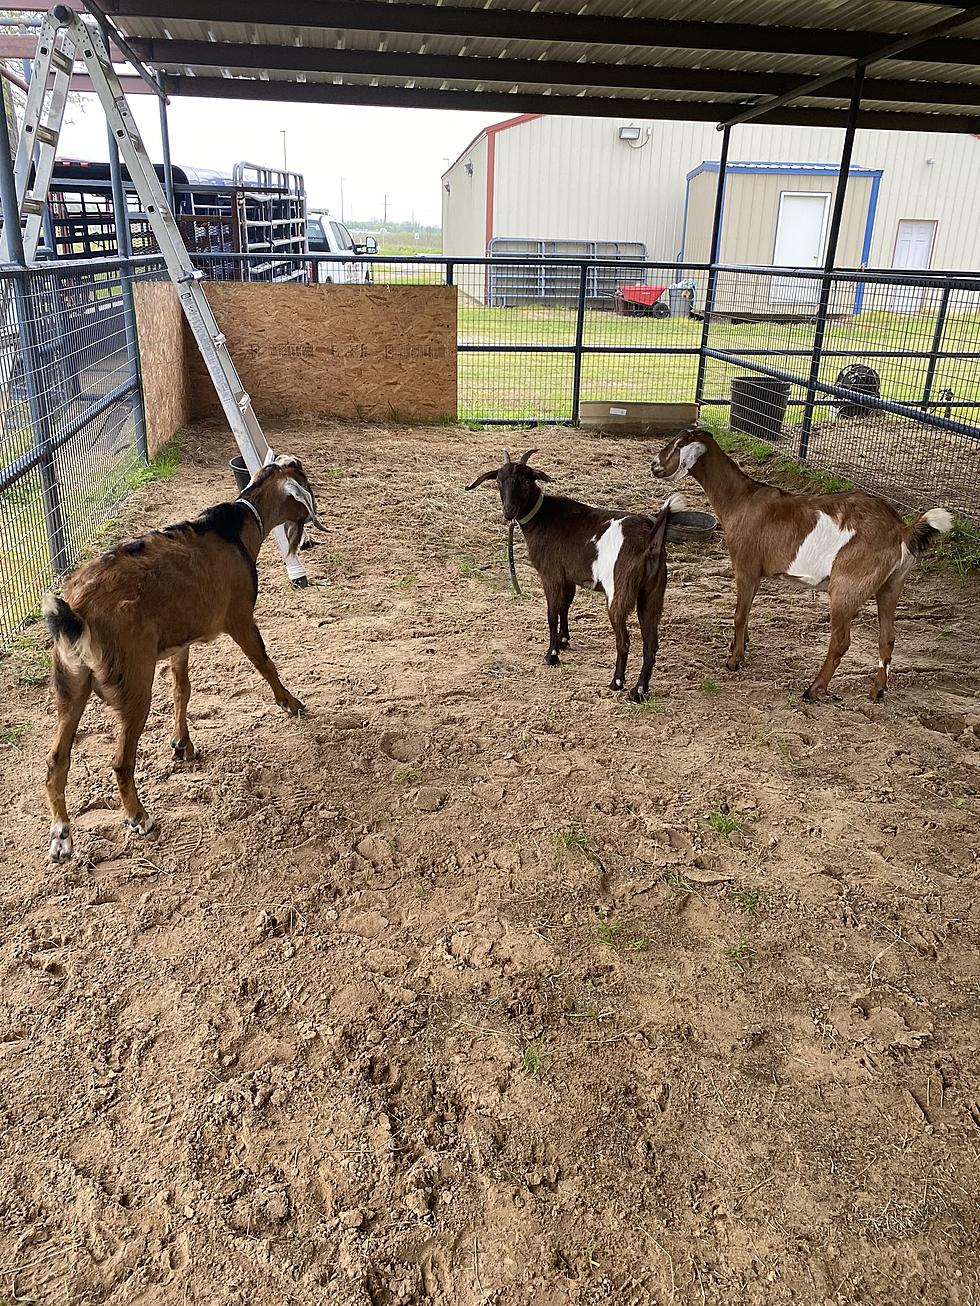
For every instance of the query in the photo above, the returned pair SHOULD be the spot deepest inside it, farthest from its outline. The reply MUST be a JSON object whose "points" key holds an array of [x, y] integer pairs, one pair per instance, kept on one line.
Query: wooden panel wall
{"points": [[163, 361], [340, 351]]}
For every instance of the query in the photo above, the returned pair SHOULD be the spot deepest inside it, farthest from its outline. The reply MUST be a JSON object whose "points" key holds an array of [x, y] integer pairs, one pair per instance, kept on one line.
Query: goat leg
{"points": [[72, 693], [249, 640], [568, 595], [841, 616], [554, 615], [132, 707], [746, 590], [649, 610], [184, 750], [618, 617], [888, 597]]}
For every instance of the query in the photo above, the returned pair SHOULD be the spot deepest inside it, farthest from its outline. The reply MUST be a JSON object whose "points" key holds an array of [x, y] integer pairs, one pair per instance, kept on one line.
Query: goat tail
{"points": [[63, 622], [674, 503], [72, 635], [922, 534]]}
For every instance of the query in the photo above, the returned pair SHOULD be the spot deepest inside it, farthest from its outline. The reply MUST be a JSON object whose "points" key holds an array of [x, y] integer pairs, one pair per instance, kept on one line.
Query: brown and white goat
{"points": [[572, 544], [150, 599], [854, 544]]}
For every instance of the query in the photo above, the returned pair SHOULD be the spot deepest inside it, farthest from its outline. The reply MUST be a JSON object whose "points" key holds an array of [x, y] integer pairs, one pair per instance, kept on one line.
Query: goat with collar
{"points": [[572, 544], [149, 600]]}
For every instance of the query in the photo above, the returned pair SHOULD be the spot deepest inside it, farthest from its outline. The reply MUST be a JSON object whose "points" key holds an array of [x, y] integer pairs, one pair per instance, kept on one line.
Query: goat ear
{"points": [[301, 495], [539, 475], [487, 476]]}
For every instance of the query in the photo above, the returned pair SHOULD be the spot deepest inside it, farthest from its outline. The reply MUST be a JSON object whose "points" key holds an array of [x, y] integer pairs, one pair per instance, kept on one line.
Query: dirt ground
{"points": [[475, 985]]}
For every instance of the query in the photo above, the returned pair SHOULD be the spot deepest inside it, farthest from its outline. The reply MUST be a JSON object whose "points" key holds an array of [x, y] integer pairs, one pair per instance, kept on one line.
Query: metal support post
{"points": [[168, 169], [709, 295], [937, 340], [124, 243], [30, 358], [579, 337], [826, 284]]}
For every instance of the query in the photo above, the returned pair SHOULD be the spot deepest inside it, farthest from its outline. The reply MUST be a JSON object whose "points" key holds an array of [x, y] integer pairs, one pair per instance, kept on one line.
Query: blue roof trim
{"points": [[791, 169]]}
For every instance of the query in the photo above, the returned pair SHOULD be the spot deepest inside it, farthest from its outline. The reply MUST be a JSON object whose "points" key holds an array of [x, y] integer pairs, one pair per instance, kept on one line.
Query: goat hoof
{"points": [[59, 849], [616, 683], [877, 693], [552, 659], [293, 706], [734, 664], [564, 642], [141, 824], [183, 752], [637, 695]]}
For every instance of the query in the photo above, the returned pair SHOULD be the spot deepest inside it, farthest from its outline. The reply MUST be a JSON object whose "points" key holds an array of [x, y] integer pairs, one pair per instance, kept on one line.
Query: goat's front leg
{"points": [[249, 640], [132, 706], [746, 588], [618, 615], [184, 750], [554, 620], [568, 595], [72, 692]]}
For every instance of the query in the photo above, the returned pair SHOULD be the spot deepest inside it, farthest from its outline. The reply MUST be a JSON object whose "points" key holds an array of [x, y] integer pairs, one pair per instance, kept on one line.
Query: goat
{"points": [[571, 544], [150, 599], [853, 543]]}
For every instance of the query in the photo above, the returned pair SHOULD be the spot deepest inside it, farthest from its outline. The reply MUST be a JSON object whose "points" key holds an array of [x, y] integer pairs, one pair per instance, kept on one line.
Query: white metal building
{"points": [[542, 178]]}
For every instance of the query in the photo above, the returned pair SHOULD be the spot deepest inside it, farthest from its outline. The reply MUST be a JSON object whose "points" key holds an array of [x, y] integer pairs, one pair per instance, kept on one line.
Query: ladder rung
{"points": [[47, 135], [218, 340], [32, 206], [196, 275], [63, 62], [244, 401]]}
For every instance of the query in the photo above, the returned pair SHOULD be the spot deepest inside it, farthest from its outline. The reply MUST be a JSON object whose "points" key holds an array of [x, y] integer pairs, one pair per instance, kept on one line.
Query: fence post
{"points": [[820, 330], [709, 293], [450, 268], [124, 242], [937, 340], [579, 336], [30, 358]]}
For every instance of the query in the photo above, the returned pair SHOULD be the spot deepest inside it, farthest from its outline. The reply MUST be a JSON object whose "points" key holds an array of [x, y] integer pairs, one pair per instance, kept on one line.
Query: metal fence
{"points": [[71, 424], [884, 390]]}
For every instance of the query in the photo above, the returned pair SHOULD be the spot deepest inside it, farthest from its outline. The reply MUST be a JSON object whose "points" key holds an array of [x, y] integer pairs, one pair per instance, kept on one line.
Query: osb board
{"points": [[163, 361], [338, 351]]}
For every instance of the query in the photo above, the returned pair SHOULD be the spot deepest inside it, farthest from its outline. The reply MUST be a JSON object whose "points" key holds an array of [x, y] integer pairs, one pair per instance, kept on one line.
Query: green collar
{"points": [[523, 521]]}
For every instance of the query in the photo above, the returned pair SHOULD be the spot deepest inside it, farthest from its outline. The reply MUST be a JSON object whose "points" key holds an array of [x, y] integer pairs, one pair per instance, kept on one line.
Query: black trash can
{"points": [[759, 406], [240, 471]]}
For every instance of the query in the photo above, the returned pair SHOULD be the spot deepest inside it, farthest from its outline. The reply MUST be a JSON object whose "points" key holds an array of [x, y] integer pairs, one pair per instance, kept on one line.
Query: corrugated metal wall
{"points": [[572, 179], [464, 205]]}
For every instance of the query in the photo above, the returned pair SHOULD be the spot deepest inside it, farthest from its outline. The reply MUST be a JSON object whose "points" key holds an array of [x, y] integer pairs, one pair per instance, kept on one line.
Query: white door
{"points": [[913, 249], [801, 233]]}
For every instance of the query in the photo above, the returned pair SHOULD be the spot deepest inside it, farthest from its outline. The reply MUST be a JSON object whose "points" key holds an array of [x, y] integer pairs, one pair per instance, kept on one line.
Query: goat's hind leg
{"points": [[649, 610], [184, 750], [618, 616], [888, 597], [131, 703], [72, 689]]}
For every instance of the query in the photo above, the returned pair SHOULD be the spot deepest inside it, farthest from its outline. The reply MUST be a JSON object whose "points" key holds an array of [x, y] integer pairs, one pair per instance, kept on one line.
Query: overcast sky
{"points": [[401, 152]]}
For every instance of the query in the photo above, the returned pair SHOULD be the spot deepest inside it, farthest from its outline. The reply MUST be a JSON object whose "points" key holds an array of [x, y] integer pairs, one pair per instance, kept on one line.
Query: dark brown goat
{"points": [[853, 543], [151, 599], [571, 544]]}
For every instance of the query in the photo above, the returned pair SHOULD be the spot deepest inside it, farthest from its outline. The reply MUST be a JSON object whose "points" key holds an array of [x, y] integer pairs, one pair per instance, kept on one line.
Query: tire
{"points": [[659, 310]]}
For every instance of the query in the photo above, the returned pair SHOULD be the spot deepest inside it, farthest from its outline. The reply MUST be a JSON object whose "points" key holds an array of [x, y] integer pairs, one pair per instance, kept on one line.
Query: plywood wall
{"points": [[340, 351], [163, 361]]}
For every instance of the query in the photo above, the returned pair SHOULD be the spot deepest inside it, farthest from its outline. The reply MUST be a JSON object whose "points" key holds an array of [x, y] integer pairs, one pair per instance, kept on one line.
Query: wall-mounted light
{"points": [[469, 168], [445, 187], [630, 133]]}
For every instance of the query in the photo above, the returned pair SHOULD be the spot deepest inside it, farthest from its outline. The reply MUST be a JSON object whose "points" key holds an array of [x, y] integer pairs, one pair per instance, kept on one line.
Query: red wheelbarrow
{"points": [[645, 300]]}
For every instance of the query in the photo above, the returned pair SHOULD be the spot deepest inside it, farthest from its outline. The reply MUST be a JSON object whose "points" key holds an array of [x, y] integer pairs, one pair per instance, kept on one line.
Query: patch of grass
{"points": [[607, 932], [960, 548], [639, 944], [470, 570], [408, 580], [11, 735], [573, 841], [742, 955], [737, 442], [710, 686], [584, 1013], [161, 468], [34, 671], [746, 900], [724, 824], [419, 891], [678, 884], [588, 1255], [408, 775], [649, 707], [535, 1058]]}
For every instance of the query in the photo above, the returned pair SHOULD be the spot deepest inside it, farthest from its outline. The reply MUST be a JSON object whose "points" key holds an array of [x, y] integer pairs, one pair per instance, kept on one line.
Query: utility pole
{"points": [[384, 221], [342, 180], [282, 133]]}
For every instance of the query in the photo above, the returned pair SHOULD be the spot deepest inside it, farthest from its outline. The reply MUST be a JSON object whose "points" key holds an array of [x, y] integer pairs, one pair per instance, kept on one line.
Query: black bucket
{"points": [[240, 471], [759, 406]]}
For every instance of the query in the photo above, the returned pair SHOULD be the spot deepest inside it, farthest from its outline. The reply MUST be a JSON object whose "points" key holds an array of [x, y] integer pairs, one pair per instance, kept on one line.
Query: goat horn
{"points": [[525, 456], [507, 457]]}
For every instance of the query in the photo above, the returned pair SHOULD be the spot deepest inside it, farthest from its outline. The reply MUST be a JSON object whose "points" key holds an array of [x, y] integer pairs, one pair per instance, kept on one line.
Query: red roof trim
{"points": [[490, 132]]}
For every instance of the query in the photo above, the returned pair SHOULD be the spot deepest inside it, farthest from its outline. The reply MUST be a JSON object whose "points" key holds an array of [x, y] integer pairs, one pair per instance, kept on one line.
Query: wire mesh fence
{"points": [[883, 390], [70, 419]]}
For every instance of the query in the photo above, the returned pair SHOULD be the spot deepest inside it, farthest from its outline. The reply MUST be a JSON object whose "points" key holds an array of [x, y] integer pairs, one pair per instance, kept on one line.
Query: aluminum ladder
{"points": [[42, 127]]}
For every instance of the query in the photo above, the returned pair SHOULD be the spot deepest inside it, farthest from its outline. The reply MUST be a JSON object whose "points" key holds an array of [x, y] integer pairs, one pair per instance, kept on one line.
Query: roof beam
{"points": [[542, 72], [535, 25], [249, 88]]}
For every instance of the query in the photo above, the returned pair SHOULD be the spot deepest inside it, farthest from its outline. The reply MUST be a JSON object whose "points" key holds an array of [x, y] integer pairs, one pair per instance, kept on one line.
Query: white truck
{"points": [[325, 235]]}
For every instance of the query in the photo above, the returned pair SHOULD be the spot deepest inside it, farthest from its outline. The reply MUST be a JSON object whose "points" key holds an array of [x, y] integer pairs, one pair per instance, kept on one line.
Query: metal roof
{"points": [[693, 59]]}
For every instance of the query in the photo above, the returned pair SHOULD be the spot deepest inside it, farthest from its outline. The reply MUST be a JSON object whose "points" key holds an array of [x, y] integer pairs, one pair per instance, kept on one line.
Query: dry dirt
{"points": [[475, 985]]}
